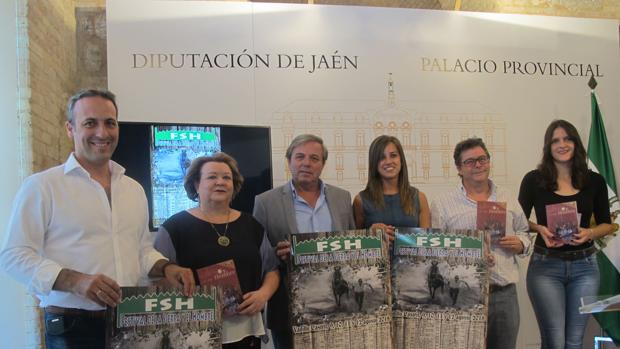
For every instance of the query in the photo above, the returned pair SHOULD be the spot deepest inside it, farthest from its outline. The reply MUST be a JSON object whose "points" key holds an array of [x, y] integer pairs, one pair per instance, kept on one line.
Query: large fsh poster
{"points": [[152, 317], [440, 289], [340, 290]]}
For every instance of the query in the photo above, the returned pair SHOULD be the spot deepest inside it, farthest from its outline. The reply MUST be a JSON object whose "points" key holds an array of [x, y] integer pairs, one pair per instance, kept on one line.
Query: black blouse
{"points": [[195, 245], [592, 199]]}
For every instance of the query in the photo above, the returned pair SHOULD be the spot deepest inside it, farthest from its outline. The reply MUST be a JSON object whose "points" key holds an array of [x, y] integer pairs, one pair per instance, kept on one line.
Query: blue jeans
{"points": [[555, 287], [503, 318], [74, 332]]}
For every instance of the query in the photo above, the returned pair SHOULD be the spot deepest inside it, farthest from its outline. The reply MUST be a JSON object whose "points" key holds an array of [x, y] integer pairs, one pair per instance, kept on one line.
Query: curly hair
{"points": [[193, 173], [467, 144]]}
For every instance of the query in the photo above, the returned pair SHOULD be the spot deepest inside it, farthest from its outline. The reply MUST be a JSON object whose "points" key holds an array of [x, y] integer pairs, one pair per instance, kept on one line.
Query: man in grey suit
{"points": [[303, 205]]}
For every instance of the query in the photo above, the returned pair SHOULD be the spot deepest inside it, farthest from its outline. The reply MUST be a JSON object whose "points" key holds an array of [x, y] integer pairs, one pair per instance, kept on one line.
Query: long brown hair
{"points": [[374, 186], [578, 166]]}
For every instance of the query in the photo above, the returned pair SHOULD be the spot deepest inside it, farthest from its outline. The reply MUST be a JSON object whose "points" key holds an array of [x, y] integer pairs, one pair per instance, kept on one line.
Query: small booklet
{"points": [[491, 217], [223, 275], [563, 220]]}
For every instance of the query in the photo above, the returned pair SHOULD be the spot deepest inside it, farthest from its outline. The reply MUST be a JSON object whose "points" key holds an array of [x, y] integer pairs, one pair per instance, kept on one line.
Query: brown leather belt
{"points": [[565, 255], [90, 314]]}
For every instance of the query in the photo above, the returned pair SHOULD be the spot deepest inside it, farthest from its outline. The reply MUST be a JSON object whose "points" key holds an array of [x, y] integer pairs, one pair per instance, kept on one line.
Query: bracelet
{"points": [[163, 267]]}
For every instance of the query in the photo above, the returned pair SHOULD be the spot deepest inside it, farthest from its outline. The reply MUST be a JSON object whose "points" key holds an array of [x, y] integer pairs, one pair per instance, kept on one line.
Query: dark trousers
{"points": [[249, 342], [454, 294], [503, 318], [282, 339], [74, 332], [359, 299]]}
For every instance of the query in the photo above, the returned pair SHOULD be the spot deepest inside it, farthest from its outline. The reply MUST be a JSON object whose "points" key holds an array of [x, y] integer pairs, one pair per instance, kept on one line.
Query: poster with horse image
{"points": [[340, 290], [155, 318], [440, 288]]}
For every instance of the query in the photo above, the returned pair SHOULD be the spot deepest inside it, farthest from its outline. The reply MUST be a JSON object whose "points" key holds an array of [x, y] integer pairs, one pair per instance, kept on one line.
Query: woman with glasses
{"points": [[389, 200], [563, 271]]}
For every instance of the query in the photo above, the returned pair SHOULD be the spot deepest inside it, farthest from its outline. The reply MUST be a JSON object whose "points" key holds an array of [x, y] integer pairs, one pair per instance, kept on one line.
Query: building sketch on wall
{"points": [[427, 130]]}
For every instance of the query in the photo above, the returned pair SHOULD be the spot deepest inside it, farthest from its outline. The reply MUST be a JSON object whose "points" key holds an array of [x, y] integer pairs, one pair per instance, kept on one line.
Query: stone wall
{"points": [[52, 74], [565, 8], [51, 32]]}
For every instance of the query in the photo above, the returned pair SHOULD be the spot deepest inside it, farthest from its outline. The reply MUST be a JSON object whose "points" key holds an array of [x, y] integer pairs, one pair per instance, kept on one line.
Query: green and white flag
{"points": [[609, 260]]}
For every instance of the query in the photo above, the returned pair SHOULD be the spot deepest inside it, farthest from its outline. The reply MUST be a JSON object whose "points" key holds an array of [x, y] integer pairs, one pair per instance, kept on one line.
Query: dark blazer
{"points": [[275, 210]]}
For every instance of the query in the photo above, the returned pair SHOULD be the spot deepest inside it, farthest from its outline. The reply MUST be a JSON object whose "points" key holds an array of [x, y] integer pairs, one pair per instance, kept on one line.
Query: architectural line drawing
{"points": [[427, 130]]}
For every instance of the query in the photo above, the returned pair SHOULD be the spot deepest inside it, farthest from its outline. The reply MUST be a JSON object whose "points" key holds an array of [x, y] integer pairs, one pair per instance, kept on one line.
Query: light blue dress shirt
{"points": [[309, 219]]}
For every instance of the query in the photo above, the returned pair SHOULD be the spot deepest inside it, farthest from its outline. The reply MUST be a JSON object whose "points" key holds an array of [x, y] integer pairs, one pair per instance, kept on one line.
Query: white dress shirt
{"points": [[62, 218], [454, 210]]}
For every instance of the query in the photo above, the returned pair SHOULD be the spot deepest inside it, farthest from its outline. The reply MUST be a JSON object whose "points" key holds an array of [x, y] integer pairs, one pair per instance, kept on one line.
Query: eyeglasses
{"points": [[482, 160]]}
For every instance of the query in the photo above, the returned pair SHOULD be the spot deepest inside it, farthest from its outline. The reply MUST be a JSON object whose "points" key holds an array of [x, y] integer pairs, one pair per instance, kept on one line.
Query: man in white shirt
{"points": [[79, 231], [457, 209]]}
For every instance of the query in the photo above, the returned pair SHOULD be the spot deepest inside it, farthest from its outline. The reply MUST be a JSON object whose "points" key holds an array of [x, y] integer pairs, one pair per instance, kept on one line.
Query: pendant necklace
{"points": [[222, 239]]}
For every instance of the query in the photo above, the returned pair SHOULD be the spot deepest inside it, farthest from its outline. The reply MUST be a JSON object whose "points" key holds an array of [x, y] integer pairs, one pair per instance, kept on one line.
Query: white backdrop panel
{"points": [[430, 78], [453, 75]]}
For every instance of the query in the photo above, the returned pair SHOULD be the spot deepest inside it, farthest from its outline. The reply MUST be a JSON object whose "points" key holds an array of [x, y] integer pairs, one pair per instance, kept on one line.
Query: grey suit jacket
{"points": [[275, 210]]}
